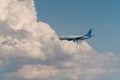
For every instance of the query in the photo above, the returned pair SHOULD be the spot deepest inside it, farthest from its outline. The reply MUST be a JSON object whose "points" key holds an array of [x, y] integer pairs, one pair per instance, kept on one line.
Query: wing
{"points": [[64, 38], [81, 37], [71, 38]]}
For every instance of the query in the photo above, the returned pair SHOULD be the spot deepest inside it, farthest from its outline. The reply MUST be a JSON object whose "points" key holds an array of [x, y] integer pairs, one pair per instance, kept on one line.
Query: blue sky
{"points": [[74, 17]]}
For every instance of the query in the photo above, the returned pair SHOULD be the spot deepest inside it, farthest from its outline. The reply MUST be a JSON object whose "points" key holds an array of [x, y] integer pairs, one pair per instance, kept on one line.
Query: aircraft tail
{"points": [[89, 33]]}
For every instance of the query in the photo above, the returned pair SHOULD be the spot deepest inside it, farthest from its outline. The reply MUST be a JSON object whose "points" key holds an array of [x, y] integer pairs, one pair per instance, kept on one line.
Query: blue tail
{"points": [[89, 33]]}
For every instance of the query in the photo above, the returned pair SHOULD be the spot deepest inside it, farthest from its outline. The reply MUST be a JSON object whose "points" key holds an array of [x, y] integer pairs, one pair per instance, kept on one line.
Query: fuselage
{"points": [[76, 38]]}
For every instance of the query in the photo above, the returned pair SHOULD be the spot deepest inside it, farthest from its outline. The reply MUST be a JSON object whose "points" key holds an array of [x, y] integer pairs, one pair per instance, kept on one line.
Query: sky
{"points": [[76, 17], [31, 50]]}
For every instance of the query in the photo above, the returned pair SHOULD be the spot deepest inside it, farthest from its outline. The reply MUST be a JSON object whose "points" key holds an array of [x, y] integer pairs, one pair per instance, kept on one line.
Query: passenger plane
{"points": [[77, 38]]}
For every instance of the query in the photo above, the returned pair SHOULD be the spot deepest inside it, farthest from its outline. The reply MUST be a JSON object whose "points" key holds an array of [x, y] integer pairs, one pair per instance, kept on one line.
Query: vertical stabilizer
{"points": [[89, 33]]}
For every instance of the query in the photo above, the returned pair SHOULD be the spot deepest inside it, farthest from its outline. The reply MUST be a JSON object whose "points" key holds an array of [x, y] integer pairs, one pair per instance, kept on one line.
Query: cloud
{"points": [[31, 50]]}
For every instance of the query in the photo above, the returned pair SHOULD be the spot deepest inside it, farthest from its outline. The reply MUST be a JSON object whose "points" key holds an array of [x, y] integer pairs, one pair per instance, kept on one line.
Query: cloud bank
{"points": [[31, 50]]}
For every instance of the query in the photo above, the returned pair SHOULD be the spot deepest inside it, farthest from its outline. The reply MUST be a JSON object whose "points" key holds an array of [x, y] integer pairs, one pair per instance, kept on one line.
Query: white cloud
{"points": [[35, 72], [31, 50]]}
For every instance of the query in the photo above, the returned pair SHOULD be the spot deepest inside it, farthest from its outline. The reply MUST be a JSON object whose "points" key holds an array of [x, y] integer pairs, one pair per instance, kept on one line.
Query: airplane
{"points": [[77, 38]]}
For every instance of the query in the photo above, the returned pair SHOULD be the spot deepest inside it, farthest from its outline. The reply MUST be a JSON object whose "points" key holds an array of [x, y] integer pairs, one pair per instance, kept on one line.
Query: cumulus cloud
{"points": [[31, 50]]}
